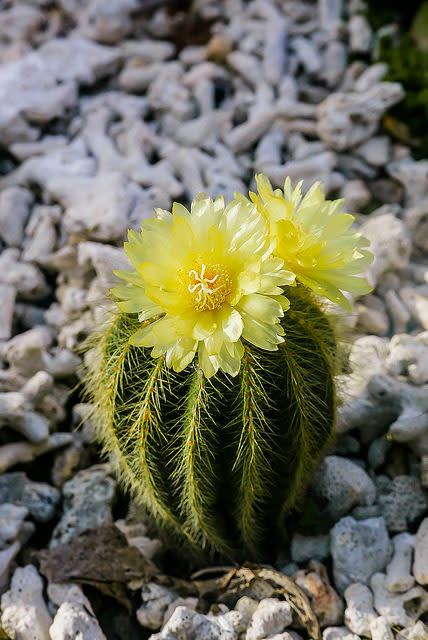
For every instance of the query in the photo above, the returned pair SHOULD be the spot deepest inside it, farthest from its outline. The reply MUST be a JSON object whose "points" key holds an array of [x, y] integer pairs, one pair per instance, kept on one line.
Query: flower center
{"points": [[208, 286]]}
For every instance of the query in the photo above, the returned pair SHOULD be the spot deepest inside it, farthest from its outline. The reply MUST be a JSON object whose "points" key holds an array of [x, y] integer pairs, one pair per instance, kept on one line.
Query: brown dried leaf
{"points": [[98, 557]]}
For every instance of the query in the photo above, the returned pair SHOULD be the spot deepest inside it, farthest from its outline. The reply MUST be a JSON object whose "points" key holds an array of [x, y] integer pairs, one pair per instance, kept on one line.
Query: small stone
{"points": [[305, 548], [24, 611], [390, 244], [325, 602], [398, 608], [39, 498], [15, 205], [270, 617], [75, 619], [375, 151], [359, 612], [360, 34], [418, 631], [218, 48], [359, 549], [156, 600], [402, 502], [7, 296], [338, 633], [356, 195], [88, 499], [420, 565], [11, 521], [343, 484], [380, 629], [398, 576]]}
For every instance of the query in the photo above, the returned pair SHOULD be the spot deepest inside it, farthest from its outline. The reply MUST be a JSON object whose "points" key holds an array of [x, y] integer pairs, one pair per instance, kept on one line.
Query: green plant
{"points": [[221, 460], [220, 451]]}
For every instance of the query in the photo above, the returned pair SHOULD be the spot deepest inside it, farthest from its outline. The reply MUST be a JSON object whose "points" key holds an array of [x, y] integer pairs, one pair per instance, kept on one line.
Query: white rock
{"points": [[325, 602], [343, 484], [270, 617], [408, 356], [413, 176], [334, 63], [359, 549], [7, 297], [360, 34], [416, 301], [27, 279], [305, 548], [75, 619], [380, 629], [390, 244], [24, 452], [420, 565], [415, 219], [15, 205], [418, 631], [156, 600], [338, 633], [396, 607], [398, 576], [402, 501], [330, 13], [359, 612], [11, 521], [375, 151], [6, 558], [356, 195], [24, 611], [348, 119]]}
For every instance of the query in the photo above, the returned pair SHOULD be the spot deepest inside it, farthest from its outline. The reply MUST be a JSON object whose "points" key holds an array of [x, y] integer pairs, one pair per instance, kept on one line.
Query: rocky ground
{"points": [[112, 107]]}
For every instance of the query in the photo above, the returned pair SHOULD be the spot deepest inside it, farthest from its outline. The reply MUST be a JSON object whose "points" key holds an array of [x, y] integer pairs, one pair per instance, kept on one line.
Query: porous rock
{"points": [[24, 611], [402, 502], [325, 602], [398, 608], [420, 565], [39, 498], [359, 549], [359, 612], [88, 499], [343, 484], [398, 572]]}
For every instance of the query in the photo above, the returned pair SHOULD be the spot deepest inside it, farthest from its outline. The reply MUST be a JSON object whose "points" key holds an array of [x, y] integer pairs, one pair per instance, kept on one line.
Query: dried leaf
{"points": [[259, 582], [98, 557]]}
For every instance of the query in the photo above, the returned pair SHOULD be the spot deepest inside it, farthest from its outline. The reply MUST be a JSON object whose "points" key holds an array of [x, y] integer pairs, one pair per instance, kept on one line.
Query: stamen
{"points": [[206, 297]]}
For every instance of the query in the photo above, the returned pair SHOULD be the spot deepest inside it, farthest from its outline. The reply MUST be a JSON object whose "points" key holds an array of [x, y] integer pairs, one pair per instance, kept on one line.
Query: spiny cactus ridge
{"points": [[219, 462]]}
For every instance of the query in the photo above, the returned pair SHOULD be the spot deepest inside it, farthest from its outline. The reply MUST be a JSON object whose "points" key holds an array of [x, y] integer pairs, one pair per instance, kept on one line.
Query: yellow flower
{"points": [[315, 239], [211, 279]]}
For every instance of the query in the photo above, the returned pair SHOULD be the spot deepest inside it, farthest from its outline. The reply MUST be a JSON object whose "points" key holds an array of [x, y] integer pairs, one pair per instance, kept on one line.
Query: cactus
{"points": [[223, 460], [219, 452]]}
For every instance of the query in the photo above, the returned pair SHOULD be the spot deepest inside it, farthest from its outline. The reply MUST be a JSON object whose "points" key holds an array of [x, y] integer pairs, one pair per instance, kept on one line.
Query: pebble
{"points": [[305, 548], [88, 498], [402, 502], [398, 608], [343, 485], [325, 602], [270, 617], [359, 549], [24, 611], [39, 498], [75, 618], [359, 612], [398, 572], [420, 565]]}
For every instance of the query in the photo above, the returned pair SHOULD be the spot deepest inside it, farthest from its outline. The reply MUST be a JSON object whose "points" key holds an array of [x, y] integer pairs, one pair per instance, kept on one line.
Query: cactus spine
{"points": [[218, 461]]}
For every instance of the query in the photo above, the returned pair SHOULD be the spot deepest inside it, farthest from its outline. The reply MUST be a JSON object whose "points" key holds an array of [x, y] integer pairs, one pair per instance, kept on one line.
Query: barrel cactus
{"points": [[213, 382]]}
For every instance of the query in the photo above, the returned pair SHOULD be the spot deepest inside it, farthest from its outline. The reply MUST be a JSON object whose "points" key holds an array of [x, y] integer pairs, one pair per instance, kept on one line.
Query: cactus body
{"points": [[218, 461]]}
